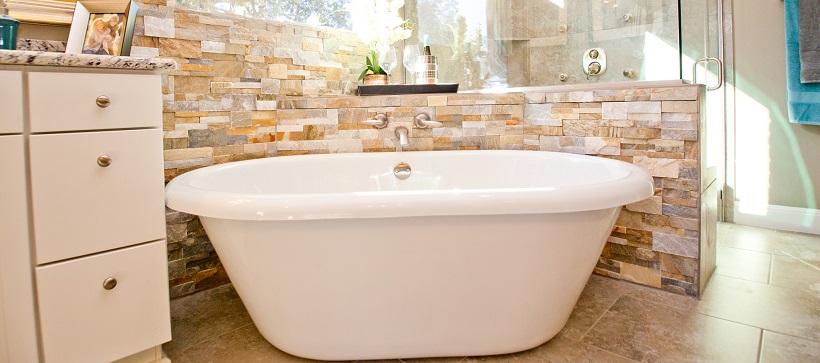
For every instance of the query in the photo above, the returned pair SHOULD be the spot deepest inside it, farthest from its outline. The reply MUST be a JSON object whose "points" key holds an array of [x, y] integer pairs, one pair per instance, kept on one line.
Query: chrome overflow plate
{"points": [[402, 171]]}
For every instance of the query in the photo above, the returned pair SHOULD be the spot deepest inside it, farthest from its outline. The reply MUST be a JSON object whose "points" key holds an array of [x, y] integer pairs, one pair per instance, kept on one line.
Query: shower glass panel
{"points": [[484, 44]]}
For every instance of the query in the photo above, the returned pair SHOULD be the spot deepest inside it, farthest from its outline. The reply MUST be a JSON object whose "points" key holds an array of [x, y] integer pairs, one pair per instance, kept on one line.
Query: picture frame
{"points": [[103, 27]]}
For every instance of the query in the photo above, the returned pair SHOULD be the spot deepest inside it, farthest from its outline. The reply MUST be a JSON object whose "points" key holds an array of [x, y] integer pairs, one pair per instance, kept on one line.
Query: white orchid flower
{"points": [[377, 22]]}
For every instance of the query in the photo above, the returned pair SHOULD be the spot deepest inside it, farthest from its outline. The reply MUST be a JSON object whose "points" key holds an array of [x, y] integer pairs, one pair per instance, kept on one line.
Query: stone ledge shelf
{"points": [[22, 57]]}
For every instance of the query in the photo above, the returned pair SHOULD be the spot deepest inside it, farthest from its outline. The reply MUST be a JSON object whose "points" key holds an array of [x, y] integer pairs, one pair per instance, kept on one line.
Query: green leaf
{"points": [[364, 73]]}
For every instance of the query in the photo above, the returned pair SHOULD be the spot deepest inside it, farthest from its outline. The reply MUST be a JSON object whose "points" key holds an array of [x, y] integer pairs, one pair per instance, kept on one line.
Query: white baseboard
{"points": [[781, 218]]}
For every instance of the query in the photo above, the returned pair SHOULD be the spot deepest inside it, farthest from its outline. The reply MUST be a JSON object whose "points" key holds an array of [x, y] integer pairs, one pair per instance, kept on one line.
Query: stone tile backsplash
{"points": [[249, 89]]}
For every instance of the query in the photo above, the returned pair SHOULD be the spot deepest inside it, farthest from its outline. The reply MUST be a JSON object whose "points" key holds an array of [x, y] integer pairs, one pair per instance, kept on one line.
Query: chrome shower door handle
{"points": [[720, 72]]}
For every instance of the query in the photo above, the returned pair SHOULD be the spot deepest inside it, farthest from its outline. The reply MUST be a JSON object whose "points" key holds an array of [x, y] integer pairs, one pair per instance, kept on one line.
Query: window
{"points": [[330, 13]]}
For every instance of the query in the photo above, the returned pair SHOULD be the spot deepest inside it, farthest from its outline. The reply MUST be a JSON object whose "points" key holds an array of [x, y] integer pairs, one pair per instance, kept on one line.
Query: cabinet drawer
{"points": [[68, 101], [81, 207], [11, 102], [82, 321]]}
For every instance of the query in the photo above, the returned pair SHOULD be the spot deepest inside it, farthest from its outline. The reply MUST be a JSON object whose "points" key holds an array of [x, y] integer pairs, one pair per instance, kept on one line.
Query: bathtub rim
{"points": [[635, 186]]}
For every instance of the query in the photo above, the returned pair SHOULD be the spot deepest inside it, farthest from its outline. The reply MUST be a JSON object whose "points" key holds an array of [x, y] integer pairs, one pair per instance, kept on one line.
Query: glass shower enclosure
{"points": [[512, 44], [490, 44]]}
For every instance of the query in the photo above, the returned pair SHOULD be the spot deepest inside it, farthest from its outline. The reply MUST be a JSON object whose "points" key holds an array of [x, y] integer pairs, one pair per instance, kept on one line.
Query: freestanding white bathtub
{"points": [[476, 253]]}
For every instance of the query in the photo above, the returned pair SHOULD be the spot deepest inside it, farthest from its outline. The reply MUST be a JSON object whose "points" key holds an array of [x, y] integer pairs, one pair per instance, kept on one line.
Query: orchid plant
{"points": [[377, 23]]}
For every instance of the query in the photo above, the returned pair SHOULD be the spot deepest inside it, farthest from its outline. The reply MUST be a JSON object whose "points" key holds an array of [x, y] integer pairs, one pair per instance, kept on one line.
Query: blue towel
{"points": [[809, 41], [803, 98]]}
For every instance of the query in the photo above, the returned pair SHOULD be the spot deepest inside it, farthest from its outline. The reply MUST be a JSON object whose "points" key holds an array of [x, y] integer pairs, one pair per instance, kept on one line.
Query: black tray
{"points": [[406, 89]]}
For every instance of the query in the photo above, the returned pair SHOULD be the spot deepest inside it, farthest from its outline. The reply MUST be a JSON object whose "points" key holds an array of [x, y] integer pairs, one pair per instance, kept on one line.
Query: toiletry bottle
{"points": [[8, 28], [427, 45]]}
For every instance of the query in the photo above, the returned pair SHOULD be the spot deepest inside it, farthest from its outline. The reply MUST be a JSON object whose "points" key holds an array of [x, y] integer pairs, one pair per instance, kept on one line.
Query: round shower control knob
{"points": [[626, 18], [562, 28], [593, 53], [629, 73], [594, 68], [563, 77]]}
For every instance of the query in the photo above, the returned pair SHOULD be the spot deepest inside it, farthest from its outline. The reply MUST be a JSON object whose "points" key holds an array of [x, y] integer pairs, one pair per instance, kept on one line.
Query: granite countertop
{"points": [[24, 57]]}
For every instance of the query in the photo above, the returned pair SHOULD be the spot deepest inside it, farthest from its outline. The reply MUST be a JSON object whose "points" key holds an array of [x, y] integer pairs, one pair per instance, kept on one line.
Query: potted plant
{"points": [[373, 73], [377, 23]]}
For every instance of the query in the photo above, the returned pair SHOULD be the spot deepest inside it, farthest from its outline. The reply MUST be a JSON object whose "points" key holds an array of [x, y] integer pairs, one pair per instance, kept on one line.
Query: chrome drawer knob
{"points": [[110, 283], [103, 101], [104, 161]]}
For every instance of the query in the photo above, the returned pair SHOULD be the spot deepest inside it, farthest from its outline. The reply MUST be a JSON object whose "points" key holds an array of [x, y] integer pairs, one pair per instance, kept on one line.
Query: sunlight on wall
{"points": [[560, 3], [756, 116], [761, 123], [752, 149], [783, 124]]}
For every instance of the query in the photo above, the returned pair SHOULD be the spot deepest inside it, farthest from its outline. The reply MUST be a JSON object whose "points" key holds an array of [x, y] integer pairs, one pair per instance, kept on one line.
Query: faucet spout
{"points": [[401, 134]]}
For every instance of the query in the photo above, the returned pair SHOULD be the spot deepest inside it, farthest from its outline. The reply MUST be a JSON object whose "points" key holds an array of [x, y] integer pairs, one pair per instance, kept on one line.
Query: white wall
{"points": [[776, 163]]}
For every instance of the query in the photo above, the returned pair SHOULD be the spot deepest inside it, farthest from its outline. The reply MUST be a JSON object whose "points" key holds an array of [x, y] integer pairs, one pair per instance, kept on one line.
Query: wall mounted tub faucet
{"points": [[380, 121], [423, 121], [402, 133]]}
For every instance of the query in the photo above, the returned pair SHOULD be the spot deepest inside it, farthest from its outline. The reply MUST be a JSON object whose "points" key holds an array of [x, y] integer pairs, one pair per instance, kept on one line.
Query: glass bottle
{"points": [[8, 28]]}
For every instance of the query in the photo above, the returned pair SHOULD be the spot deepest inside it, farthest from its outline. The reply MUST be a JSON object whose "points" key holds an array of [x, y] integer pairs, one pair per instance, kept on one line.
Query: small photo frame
{"points": [[102, 27]]}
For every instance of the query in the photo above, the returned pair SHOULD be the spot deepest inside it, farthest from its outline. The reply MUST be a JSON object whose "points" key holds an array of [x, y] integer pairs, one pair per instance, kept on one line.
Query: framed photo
{"points": [[102, 27]]}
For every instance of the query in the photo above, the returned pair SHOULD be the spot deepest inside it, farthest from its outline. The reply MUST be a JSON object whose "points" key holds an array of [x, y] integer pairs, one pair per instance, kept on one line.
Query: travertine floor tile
{"points": [[774, 308], [778, 348], [743, 264], [239, 346], [431, 360], [795, 274], [651, 332], [656, 295], [598, 295], [807, 248], [768, 240], [198, 317], [556, 350]]}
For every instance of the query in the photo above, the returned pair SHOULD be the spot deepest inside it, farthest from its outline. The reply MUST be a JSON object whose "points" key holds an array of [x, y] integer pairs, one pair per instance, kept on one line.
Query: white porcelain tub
{"points": [[476, 253]]}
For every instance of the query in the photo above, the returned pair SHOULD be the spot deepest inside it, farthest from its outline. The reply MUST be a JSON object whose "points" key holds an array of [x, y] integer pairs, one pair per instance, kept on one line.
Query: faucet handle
{"points": [[423, 121], [380, 121]]}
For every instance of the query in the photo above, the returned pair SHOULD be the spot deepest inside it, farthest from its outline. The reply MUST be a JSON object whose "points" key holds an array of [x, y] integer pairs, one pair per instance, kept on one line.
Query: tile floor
{"points": [[762, 305]]}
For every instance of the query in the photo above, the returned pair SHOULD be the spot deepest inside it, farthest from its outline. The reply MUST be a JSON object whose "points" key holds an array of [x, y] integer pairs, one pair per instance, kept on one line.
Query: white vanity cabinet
{"points": [[18, 331], [92, 195], [11, 102]]}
